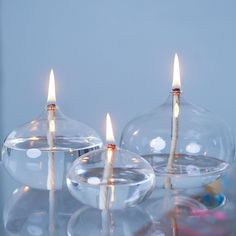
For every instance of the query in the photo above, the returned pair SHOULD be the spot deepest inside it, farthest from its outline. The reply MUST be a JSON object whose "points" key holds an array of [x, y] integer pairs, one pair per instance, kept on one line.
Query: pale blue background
{"points": [[115, 56]]}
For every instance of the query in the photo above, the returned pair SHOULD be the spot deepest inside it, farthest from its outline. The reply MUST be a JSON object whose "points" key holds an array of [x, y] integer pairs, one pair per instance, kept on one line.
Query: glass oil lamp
{"points": [[186, 145], [39, 153], [110, 178]]}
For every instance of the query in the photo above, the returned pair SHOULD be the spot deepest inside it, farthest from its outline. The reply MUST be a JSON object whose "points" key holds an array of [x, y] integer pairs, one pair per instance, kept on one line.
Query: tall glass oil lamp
{"points": [[186, 144]]}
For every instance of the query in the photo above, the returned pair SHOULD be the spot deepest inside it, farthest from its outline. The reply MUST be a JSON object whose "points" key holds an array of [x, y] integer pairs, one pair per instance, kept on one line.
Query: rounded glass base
{"points": [[188, 171], [117, 181]]}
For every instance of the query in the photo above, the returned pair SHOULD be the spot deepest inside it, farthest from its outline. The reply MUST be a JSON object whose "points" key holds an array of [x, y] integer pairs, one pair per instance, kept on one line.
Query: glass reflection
{"points": [[29, 212]]}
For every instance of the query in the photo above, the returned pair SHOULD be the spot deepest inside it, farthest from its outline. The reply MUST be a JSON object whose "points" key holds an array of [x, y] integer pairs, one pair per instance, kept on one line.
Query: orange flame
{"points": [[51, 89], [109, 130], [176, 74]]}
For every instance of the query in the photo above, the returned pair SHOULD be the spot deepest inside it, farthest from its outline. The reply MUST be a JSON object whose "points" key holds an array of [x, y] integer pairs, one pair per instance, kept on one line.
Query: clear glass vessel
{"points": [[126, 181], [204, 149], [39, 157]]}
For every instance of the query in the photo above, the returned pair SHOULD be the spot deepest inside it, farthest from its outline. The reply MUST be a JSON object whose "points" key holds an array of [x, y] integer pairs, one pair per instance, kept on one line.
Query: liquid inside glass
{"points": [[128, 186], [187, 170], [32, 163]]}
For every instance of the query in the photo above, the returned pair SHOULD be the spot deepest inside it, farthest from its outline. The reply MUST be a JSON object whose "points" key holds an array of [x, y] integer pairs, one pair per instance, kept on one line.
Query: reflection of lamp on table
{"points": [[127, 221], [167, 221], [26, 212]]}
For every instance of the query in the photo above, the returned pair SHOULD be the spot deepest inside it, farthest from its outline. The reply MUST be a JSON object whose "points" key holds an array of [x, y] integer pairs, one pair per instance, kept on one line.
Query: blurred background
{"points": [[114, 56]]}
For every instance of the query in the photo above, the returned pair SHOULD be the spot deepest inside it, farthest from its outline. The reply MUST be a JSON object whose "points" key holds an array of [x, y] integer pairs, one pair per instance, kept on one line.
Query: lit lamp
{"points": [[39, 153], [186, 145], [110, 178]]}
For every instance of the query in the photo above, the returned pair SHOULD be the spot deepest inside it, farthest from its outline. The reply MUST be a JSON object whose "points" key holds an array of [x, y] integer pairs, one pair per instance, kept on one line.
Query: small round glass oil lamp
{"points": [[39, 153], [186, 145], [110, 178]]}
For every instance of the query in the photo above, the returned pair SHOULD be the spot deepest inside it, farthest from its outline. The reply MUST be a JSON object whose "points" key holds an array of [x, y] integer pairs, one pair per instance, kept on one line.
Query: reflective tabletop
{"points": [[206, 211]]}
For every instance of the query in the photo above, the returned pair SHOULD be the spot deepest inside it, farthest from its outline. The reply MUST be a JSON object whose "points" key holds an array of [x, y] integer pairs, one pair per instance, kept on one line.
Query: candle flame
{"points": [[109, 130], [51, 88], [176, 74]]}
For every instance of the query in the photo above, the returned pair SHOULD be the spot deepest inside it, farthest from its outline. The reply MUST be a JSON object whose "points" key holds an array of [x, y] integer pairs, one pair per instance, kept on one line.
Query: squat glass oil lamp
{"points": [[110, 177], [186, 144], [39, 153]]}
